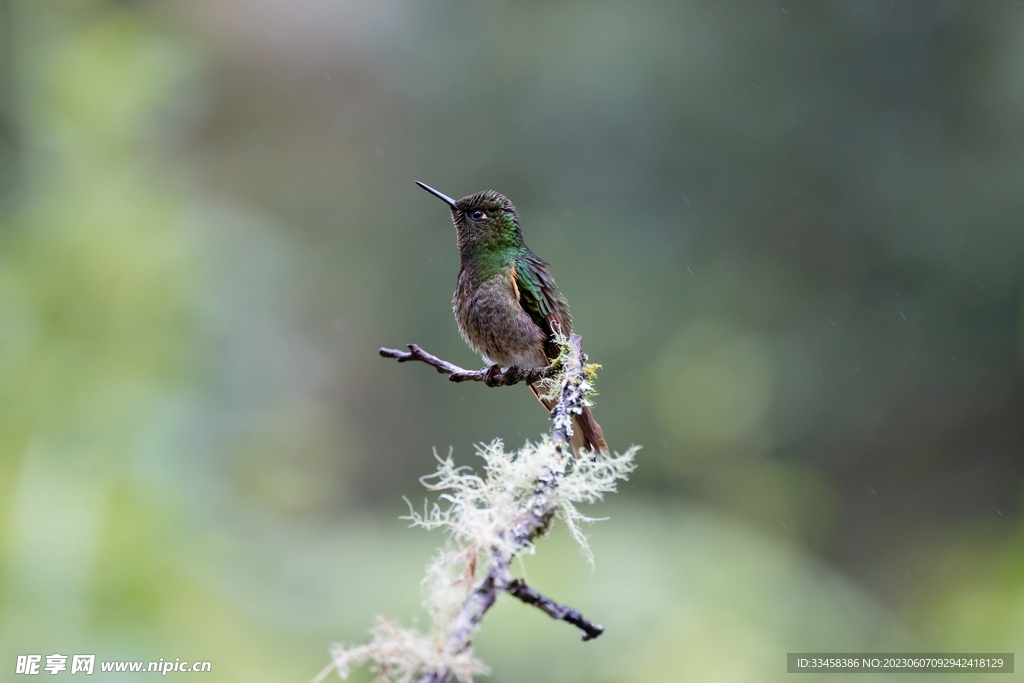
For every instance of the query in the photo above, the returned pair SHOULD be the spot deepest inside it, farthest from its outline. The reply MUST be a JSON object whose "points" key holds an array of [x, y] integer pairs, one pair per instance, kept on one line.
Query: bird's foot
{"points": [[493, 376], [513, 374]]}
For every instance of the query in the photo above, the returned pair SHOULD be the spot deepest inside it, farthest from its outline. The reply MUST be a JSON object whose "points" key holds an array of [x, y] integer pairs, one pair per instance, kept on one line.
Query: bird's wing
{"points": [[539, 295], [540, 298]]}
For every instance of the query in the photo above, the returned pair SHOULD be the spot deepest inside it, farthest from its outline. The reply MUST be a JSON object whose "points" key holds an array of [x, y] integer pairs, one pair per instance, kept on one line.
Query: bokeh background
{"points": [[791, 233]]}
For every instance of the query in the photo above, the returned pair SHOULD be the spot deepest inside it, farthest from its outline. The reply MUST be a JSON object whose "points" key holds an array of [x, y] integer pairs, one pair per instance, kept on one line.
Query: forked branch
{"points": [[525, 487]]}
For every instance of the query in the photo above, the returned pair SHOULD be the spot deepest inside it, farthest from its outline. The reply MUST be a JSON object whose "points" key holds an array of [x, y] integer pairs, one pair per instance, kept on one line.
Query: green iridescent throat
{"points": [[493, 249]]}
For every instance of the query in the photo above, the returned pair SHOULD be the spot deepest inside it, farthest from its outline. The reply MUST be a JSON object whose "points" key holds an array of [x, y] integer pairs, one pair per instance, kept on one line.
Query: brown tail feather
{"points": [[593, 435], [586, 433]]}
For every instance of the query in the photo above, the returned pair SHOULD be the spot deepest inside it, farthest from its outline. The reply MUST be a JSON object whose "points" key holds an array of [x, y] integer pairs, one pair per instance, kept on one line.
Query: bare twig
{"points": [[530, 596], [492, 376]]}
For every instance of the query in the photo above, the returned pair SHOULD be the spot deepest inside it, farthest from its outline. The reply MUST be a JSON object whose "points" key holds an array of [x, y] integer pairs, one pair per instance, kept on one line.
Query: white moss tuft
{"points": [[398, 654], [479, 512]]}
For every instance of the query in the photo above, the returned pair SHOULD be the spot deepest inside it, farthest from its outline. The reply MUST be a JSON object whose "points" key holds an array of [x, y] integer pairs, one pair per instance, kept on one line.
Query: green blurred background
{"points": [[791, 234]]}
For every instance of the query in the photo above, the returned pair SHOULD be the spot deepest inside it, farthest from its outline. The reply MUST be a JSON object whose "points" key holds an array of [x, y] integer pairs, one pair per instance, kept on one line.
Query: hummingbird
{"points": [[507, 305]]}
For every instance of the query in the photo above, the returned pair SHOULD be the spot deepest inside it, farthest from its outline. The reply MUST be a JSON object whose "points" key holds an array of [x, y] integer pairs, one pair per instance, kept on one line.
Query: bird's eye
{"points": [[478, 215]]}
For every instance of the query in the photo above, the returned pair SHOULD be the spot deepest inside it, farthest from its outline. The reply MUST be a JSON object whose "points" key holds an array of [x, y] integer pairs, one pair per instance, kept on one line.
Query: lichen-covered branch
{"points": [[492, 519]]}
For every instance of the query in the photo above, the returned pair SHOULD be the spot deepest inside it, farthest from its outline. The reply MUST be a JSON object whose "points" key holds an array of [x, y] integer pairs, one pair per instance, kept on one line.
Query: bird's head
{"points": [[485, 221]]}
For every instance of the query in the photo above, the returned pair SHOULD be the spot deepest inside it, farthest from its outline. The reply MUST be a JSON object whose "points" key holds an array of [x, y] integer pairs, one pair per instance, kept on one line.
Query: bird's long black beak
{"points": [[443, 197]]}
